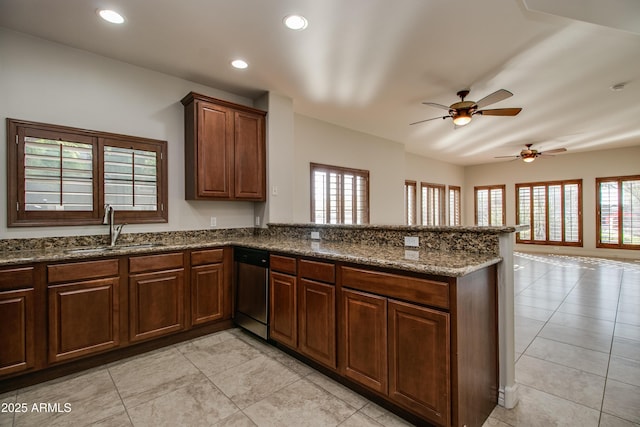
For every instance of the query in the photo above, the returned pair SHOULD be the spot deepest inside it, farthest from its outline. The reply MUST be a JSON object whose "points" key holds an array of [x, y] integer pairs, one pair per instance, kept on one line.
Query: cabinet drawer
{"points": [[283, 264], [322, 271], [82, 270], [140, 264], [209, 256], [420, 291], [14, 278]]}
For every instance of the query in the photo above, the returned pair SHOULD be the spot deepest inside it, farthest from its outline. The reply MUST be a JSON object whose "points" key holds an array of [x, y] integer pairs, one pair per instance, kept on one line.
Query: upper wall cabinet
{"points": [[224, 150]]}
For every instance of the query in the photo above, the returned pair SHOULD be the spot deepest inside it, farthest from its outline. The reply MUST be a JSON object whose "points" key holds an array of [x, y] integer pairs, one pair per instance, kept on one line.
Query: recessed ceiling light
{"points": [[111, 16], [296, 22], [239, 63]]}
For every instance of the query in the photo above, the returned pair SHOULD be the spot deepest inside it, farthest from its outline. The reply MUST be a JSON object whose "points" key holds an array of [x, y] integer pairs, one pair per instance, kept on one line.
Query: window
{"points": [[454, 205], [432, 204], [553, 210], [490, 205], [410, 202], [339, 195], [64, 176], [618, 212]]}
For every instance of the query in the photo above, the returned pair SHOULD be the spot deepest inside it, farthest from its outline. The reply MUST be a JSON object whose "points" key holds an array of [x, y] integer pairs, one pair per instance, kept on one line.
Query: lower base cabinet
{"points": [[418, 349], [156, 297], [302, 306], [364, 340], [83, 302], [400, 350], [317, 321], [83, 318], [426, 344], [209, 290], [17, 320], [283, 303]]}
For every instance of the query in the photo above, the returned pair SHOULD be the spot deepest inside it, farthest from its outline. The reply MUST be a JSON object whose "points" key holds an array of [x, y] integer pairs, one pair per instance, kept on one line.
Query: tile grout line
{"points": [[615, 325], [126, 411]]}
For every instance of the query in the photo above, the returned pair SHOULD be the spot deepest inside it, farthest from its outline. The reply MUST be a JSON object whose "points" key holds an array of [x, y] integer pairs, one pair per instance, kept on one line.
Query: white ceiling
{"points": [[369, 64]]}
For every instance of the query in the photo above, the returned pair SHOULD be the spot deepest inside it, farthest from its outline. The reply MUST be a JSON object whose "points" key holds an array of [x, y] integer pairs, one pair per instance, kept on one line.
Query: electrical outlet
{"points": [[412, 254], [213, 221], [274, 190], [412, 241], [257, 221], [315, 235]]}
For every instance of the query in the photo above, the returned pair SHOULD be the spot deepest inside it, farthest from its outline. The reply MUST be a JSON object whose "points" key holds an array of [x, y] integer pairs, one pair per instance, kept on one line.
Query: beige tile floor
{"points": [[578, 364]]}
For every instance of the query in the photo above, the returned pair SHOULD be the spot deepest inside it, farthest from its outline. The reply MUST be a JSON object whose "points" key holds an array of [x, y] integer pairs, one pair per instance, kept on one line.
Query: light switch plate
{"points": [[412, 241], [213, 221]]}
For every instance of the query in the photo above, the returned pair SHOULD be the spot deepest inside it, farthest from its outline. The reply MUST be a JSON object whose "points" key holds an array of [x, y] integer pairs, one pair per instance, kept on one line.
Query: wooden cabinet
{"points": [[317, 312], [302, 307], [156, 295], [59, 317], [210, 291], [83, 308], [427, 344], [225, 150], [364, 339], [283, 301], [419, 360], [17, 320], [397, 348]]}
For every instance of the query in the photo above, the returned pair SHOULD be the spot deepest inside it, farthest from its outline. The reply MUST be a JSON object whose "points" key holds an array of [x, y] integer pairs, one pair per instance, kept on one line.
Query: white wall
{"points": [[586, 166], [46, 82], [388, 165], [321, 142], [280, 160]]}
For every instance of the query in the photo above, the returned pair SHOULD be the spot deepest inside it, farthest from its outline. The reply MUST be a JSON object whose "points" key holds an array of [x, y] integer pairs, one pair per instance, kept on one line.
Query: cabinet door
{"points": [[16, 330], [207, 293], [83, 318], [214, 140], [317, 321], [249, 156], [156, 304], [364, 339], [283, 309], [419, 360]]}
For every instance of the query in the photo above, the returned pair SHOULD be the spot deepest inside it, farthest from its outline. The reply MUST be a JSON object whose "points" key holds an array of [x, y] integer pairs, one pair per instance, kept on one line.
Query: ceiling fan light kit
{"points": [[461, 118]]}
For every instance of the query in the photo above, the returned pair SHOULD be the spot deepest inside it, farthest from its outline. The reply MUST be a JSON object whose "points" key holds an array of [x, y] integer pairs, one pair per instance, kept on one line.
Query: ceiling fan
{"points": [[529, 154], [461, 112]]}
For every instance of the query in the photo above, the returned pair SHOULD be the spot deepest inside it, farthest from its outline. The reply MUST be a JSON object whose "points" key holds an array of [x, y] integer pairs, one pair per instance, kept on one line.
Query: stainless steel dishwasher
{"points": [[252, 290]]}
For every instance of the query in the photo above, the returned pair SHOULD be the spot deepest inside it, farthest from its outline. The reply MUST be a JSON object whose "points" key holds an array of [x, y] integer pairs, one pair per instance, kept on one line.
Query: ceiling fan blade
{"points": [[507, 157], [428, 120], [433, 104], [500, 112], [496, 96], [557, 150]]}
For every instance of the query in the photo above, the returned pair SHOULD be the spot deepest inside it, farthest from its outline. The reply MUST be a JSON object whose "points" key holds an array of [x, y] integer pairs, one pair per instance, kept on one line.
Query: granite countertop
{"points": [[452, 264]]}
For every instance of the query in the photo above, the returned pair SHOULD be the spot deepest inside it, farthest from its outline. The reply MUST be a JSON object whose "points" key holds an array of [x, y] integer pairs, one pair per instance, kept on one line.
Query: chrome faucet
{"points": [[114, 230]]}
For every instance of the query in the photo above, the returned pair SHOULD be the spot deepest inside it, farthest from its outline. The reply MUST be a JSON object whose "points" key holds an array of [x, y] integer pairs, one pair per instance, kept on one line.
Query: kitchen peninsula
{"points": [[455, 291]]}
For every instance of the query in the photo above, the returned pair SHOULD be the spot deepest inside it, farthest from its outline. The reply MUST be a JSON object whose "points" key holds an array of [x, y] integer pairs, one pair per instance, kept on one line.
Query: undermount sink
{"points": [[89, 250], [100, 249], [138, 246]]}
